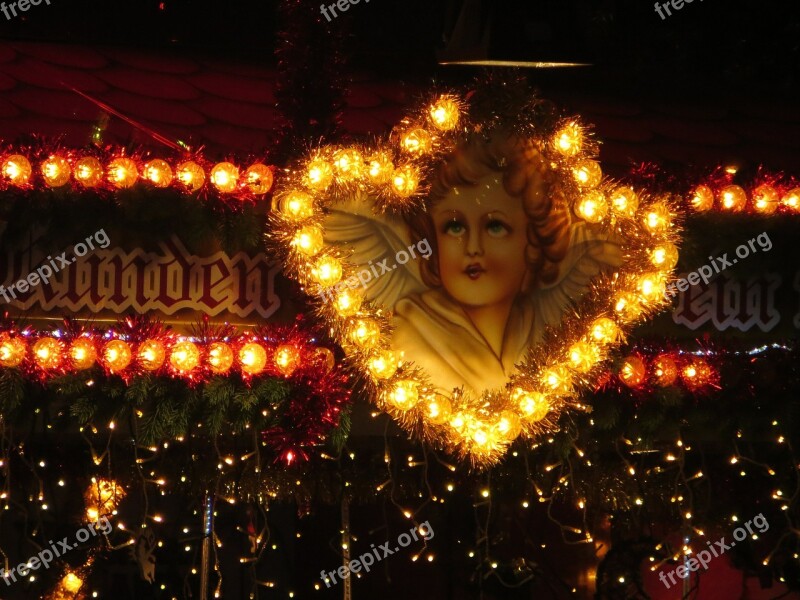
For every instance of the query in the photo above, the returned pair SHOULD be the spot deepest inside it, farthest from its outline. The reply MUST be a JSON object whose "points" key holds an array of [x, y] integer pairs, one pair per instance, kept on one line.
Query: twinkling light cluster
{"points": [[393, 175], [695, 373], [767, 196], [27, 168]]}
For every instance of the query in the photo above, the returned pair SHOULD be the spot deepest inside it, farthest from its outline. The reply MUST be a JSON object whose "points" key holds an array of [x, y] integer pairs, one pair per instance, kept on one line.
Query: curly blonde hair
{"points": [[527, 176]]}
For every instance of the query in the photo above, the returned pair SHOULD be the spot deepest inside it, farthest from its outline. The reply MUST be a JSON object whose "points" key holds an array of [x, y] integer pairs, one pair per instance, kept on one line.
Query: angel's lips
{"points": [[474, 271]]}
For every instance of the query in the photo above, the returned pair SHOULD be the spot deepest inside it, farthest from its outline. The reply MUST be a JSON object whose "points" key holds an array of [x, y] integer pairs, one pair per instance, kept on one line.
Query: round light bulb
{"points": [[191, 175], [318, 175], [702, 198], [733, 198], [56, 171], [259, 179], [185, 356], [89, 171], [17, 169], [592, 206], [122, 172], [220, 357], [308, 240], [444, 113], [252, 358], [625, 201], [587, 173], [225, 177]]}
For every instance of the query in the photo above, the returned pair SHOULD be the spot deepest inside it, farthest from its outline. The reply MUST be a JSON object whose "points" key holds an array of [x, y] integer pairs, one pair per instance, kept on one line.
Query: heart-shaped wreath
{"points": [[476, 266]]}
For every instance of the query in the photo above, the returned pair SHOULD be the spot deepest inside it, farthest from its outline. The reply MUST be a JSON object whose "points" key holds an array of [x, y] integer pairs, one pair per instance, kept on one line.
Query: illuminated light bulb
{"points": [[319, 174], [71, 583], [702, 198], [89, 172], [122, 172], [587, 173], [48, 353], [185, 356], [220, 357], [347, 302], [383, 365], [791, 199], [625, 201], [628, 306], [533, 406], [438, 409], [405, 181], [417, 142], [287, 359], [696, 374], [117, 355], [349, 163], [458, 422], [12, 351], [380, 168], [633, 372], [557, 379], [733, 198], [569, 139], [56, 171], [404, 395], [324, 357], [158, 172], [225, 177], [17, 169], [327, 271], [481, 436], [444, 113], [665, 370], [101, 498], [308, 240], [258, 179], [766, 199], [508, 425], [592, 206], [604, 330], [365, 333], [151, 354], [664, 256], [583, 356], [82, 353], [658, 218], [295, 205], [191, 175], [252, 358], [651, 287]]}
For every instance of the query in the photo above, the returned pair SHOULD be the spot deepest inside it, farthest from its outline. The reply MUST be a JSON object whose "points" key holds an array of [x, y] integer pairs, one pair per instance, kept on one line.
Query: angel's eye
{"points": [[497, 228], [454, 228]]}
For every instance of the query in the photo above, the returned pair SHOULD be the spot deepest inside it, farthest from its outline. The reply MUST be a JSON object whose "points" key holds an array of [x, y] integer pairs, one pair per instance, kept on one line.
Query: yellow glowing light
{"points": [[151, 354], [365, 333], [569, 139], [48, 352], [327, 271], [583, 356], [191, 175], [308, 240], [405, 181], [252, 358], [664, 256], [651, 286], [508, 425], [533, 406], [122, 172], [658, 218], [702, 198], [295, 205], [89, 171], [101, 498], [319, 174], [324, 357], [82, 353], [604, 330], [220, 357], [185, 356], [417, 142], [71, 583], [633, 372], [444, 113], [55, 171], [627, 306], [404, 395], [733, 198], [625, 201], [158, 172], [347, 302], [592, 206], [287, 359], [791, 199], [587, 173], [225, 177], [383, 365], [438, 409], [17, 169], [380, 168], [117, 355], [766, 199], [665, 371], [12, 351], [258, 178], [557, 379]]}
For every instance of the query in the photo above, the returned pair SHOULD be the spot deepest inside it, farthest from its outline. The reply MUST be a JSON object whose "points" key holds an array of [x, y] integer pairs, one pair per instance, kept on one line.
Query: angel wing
{"points": [[372, 243]]}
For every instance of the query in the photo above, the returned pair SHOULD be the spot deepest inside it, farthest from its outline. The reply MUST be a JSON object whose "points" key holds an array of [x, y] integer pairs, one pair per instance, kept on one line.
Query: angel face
{"points": [[481, 238]]}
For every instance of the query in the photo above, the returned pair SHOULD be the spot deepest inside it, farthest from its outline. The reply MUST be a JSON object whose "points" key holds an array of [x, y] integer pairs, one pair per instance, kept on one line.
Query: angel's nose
{"points": [[474, 242]]}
